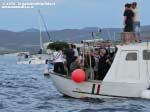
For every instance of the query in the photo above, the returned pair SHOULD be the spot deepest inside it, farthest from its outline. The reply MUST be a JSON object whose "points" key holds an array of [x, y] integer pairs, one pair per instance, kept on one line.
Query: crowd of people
{"points": [[131, 23], [98, 60]]}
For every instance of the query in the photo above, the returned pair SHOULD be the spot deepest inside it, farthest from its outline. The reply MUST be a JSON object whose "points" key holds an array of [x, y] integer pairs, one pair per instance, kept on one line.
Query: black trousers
{"points": [[59, 67]]}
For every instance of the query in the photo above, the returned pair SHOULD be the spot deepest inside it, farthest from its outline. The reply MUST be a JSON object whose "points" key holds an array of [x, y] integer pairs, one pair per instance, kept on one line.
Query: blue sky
{"points": [[72, 14]]}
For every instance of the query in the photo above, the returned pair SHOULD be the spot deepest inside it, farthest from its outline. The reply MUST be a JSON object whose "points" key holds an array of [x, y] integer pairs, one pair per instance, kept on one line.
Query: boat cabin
{"points": [[128, 76], [131, 64]]}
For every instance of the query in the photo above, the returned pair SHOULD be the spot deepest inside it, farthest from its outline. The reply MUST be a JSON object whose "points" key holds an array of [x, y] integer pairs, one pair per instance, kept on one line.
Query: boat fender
{"points": [[78, 75], [146, 94]]}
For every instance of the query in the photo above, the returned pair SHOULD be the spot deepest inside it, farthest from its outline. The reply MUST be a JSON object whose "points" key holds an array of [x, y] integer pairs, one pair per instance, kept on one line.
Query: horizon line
{"points": [[65, 28]]}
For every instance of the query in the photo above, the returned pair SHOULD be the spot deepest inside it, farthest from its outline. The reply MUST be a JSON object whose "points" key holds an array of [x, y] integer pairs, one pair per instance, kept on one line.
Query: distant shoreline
{"points": [[29, 40]]}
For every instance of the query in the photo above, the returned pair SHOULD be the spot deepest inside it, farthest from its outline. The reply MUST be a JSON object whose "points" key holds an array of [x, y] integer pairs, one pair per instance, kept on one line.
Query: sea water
{"points": [[23, 88]]}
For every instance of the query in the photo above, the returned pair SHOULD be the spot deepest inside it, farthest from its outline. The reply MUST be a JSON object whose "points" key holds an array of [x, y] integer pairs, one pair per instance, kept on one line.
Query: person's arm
{"points": [[81, 65], [125, 18], [133, 15], [108, 62], [124, 22]]}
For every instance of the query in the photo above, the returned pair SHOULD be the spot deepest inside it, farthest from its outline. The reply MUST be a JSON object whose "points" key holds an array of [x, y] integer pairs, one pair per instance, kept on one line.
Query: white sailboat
{"points": [[128, 76], [39, 58], [34, 59]]}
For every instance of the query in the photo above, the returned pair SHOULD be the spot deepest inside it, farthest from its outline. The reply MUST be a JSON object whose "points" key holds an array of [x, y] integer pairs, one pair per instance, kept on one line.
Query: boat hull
{"points": [[35, 59], [36, 62], [96, 89]]}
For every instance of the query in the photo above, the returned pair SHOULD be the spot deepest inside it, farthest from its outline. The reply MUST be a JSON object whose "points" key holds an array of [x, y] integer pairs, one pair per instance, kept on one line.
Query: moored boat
{"points": [[34, 59], [128, 76]]}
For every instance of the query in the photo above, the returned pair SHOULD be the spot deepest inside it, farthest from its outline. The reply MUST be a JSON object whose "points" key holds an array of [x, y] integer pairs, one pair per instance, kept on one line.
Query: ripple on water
{"points": [[23, 88], [1, 105]]}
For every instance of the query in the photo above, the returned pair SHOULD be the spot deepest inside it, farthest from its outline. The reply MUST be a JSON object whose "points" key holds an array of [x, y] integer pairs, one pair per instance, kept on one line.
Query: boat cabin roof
{"points": [[134, 46]]}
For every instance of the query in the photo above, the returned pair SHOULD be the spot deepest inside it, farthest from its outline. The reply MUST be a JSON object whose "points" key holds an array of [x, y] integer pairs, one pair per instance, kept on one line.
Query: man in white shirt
{"points": [[136, 22]]}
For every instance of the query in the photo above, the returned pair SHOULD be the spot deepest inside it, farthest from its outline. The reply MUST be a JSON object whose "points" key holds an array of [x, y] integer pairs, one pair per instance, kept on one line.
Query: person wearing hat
{"points": [[103, 64]]}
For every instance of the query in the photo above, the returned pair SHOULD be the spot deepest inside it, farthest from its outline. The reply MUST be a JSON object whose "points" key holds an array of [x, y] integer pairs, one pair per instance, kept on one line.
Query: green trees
{"points": [[58, 44]]}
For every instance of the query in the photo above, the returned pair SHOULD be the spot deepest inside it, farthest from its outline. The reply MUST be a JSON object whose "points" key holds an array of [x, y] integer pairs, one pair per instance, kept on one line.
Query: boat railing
{"points": [[130, 37]]}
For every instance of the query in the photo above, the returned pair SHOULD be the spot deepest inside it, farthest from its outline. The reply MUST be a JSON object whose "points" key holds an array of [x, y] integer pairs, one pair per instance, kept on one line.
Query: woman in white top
{"points": [[58, 61], [76, 53]]}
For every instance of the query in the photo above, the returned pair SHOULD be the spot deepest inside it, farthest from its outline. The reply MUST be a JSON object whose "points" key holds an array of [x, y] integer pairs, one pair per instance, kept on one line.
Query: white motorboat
{"points": [[39, 58], [128, 76], [35, 59]]}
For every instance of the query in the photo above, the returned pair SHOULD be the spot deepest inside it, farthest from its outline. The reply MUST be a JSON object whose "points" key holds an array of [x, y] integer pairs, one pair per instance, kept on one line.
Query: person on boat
{"points": [[79, 51], [40, 51], [69, 56], [76, 53], [26, 56], [89, 63], [128, 23], [76, 64], [136, 22], [113, 53], [96, 57], [87, 59], [104, 64], [58, 61]]}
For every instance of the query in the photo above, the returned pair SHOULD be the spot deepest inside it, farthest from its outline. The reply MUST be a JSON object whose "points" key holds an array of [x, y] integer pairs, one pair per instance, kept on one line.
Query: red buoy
{"points": [[78, 75]]}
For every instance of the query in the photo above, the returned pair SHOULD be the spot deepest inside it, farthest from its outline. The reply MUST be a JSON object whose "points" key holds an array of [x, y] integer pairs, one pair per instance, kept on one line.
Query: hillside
{"points": [[28, 40]]}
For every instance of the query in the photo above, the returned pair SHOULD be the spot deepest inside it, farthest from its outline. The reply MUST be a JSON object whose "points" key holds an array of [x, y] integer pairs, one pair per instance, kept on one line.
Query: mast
{"points": [[42, 19], [41, 43]]}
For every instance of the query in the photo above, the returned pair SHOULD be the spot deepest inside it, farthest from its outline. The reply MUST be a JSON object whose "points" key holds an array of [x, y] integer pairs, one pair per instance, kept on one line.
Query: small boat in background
{"points": [[34, 59], [40, 58]]}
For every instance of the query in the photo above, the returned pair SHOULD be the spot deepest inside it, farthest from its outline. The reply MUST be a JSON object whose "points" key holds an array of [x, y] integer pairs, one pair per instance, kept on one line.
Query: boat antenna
{"points": [[44, 25]]}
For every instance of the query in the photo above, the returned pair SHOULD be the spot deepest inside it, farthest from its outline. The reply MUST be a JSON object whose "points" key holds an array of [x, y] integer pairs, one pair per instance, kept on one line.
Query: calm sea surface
{"points": [[23, 88]]}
